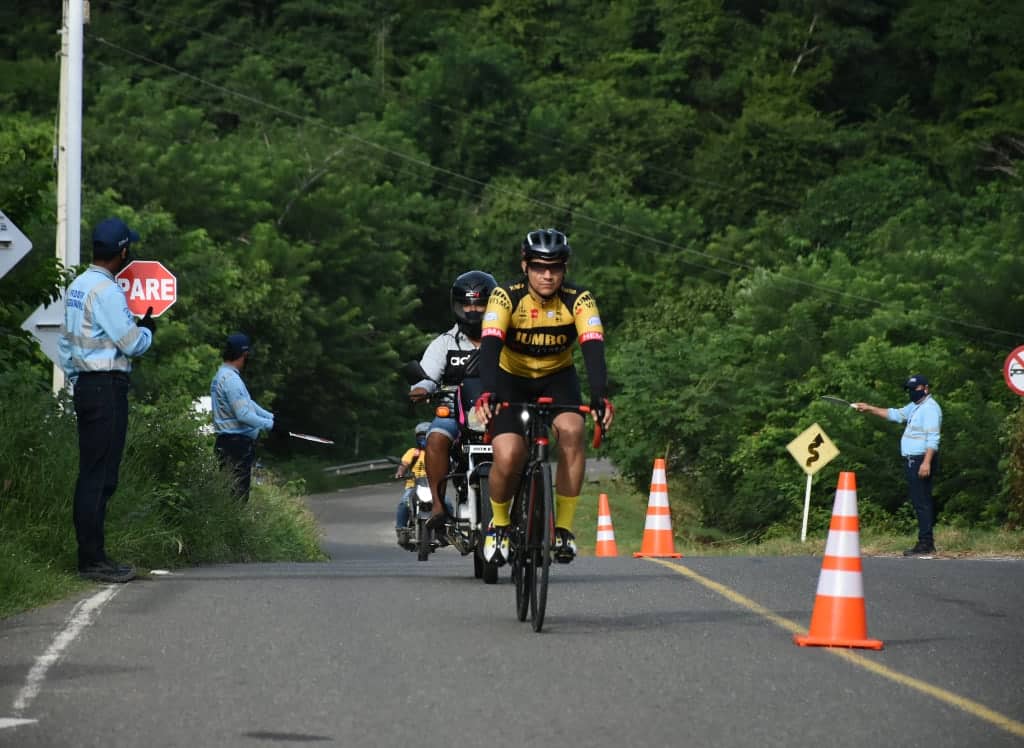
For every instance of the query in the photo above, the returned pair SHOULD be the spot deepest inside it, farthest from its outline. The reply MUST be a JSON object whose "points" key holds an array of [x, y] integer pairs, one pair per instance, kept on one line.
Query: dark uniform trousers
{"points": [[921, 496], [101, 407], [237, 453]]}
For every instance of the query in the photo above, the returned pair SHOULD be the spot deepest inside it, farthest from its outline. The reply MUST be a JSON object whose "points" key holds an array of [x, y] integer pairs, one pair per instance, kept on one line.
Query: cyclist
{"points": [[529, 328], [445, 362], [412, 465]]}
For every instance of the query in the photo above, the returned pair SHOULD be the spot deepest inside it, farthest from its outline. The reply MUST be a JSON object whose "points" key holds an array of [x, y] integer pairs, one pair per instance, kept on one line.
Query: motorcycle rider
{"points": [[412, 462], [445, 362], [529, 328]]}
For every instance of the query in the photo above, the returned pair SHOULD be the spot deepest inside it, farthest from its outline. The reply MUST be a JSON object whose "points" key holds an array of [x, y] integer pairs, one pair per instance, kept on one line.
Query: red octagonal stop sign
{"points": [[147, 283]]}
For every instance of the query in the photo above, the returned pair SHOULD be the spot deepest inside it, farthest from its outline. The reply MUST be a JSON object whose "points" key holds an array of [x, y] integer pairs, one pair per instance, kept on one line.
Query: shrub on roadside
{"points": [[172, 506]]}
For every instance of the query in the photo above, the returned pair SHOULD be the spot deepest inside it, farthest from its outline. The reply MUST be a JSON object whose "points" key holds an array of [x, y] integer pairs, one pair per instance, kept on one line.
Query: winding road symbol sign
{"points": [[813, 450], [1013, 370]]}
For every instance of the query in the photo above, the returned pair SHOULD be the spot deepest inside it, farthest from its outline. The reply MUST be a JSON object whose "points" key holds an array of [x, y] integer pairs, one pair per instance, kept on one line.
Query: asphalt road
{"points": [[376, 649]]}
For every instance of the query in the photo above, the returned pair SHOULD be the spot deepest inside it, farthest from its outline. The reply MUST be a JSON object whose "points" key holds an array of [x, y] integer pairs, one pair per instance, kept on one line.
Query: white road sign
{"points": [[1013, 370], [13, 245], [46, 324]]}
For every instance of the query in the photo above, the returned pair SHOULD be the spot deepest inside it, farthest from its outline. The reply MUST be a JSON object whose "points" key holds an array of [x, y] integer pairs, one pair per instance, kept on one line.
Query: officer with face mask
{"points": [[101, 338], [446, 361], [919, 448]]}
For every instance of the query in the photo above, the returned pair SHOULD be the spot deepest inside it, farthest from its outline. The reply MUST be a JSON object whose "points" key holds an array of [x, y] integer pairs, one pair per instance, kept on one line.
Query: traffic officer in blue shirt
{"points": [[920, 450], [101, 337], [237, 418]]}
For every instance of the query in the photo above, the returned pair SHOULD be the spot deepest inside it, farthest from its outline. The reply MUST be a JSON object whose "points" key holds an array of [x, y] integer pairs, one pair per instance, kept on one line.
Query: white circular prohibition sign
{"points": [[1013, 370]]}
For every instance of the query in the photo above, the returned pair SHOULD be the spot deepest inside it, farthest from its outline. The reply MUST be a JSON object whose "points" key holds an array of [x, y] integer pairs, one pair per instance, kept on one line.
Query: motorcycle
{"points": [[419, 537], [469, 464]]}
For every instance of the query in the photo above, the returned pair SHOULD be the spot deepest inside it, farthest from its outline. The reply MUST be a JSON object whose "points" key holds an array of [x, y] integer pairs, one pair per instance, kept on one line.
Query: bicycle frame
{"points": [[533, 510]]}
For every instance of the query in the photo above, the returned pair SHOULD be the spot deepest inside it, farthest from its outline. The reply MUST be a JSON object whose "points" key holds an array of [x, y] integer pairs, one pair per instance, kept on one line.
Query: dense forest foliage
{"points": [[772, 201]]}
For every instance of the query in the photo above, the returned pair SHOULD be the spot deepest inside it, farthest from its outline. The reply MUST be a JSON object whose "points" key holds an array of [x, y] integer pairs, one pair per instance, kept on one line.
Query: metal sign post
{"points": [[812, 450]]}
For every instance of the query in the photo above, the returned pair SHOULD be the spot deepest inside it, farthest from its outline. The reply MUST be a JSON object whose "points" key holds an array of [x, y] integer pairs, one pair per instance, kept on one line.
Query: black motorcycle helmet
{"points": [[546, 244], [471, 288]]}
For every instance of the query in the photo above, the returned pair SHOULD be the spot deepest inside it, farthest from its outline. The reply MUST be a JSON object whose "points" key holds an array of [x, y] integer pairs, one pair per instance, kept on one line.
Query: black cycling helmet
{"points": [[471, 288], [546, 244]]}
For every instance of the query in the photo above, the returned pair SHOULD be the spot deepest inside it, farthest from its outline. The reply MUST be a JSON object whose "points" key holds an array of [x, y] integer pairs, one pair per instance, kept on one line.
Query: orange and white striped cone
{"points": [[605, 532], [658, 540], [839, 618]]}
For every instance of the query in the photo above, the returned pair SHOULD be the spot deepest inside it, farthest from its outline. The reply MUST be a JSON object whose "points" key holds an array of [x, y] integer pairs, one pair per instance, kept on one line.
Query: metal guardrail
{"points": [[596, 467], [366, 466]]}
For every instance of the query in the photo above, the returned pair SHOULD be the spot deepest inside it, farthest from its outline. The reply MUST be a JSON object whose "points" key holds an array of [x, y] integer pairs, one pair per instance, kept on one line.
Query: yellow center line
{"points": [[979, 710]]}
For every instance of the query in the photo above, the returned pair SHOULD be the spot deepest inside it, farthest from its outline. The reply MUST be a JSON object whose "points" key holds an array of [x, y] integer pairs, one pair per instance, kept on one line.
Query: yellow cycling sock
{"points": [[565, 510], [501, 518]]}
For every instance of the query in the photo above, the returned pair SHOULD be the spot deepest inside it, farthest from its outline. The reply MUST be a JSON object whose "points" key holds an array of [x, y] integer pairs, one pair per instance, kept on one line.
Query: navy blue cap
{"points": [[236, 344], [110, 237], [915, 381]]}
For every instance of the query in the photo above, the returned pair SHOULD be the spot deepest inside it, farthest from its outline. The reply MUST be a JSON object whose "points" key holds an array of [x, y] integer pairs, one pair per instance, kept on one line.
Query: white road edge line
{"points": [[9, 722], [81, 616]]}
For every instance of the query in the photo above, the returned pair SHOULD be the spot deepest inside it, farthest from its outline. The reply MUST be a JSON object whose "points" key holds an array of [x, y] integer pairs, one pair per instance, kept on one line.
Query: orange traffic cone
{"points": [[839, 618], [658, 540], [605, 532]]}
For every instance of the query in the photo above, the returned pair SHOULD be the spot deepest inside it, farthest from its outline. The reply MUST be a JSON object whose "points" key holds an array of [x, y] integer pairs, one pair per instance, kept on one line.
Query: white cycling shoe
{"points": [[496, 544]]}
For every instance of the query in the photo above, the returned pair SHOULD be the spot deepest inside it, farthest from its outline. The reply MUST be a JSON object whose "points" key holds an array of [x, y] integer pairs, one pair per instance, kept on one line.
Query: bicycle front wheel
{"points": [[522, 570], [487, 571], [541, 534], [422, 540]]}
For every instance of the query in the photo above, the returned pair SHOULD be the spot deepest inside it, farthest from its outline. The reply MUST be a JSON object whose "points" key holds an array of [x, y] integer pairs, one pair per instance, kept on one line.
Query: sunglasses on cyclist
{"points": [[540, 267]]}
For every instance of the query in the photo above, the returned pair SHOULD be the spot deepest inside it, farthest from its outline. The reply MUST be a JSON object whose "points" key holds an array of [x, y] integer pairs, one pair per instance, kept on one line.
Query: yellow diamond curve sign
{"points": [[813, 450]]}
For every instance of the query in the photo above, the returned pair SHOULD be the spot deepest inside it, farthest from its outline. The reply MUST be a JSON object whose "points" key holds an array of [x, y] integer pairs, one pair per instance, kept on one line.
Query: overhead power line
{"points": [[382, 151], [497, 124]]}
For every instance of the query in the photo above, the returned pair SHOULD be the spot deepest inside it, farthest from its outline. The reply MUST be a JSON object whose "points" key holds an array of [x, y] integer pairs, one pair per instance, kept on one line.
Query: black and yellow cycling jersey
{"points": [[538, 333]]}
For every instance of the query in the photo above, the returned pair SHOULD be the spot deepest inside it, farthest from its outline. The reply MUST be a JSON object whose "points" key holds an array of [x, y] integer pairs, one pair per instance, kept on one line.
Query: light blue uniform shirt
{"points": [[100, 331], [924, 422], [234, 412]]}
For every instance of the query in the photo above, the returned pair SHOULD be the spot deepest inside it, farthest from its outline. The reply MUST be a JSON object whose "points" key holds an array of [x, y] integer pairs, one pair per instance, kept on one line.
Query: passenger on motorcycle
{"points": [[445, 362], [412, 465], [528, 331]]}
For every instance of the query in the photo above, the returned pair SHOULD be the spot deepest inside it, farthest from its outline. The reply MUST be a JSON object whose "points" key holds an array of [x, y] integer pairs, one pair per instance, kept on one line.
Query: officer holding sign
{"points": [[96, 350], [920, 450]]}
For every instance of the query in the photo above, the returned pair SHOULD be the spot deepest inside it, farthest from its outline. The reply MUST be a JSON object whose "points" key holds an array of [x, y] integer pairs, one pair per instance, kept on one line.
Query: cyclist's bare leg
{"points": [[436, 463], [572, 457], [568, 427], [509, 457]]}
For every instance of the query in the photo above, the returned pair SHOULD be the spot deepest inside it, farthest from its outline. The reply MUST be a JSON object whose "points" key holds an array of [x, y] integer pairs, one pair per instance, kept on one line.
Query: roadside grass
{"points": [[629, 512]]}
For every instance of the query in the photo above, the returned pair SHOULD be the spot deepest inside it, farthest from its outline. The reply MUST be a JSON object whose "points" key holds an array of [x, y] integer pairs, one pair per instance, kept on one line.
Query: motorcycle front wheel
{"points": [[422, 540]]}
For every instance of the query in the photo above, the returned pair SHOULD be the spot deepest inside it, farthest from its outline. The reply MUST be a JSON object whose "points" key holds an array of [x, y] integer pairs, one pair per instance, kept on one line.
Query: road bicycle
{"points": [[531, 532]]}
